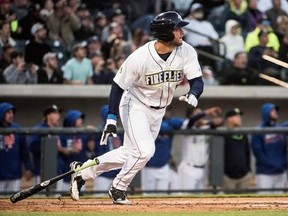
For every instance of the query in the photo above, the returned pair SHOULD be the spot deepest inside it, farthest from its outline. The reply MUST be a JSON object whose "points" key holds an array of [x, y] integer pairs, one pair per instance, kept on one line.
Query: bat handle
{"points": [[183, 98]]}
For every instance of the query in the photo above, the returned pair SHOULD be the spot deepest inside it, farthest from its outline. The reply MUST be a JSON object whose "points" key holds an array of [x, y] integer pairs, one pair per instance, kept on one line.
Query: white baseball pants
{"points": [[141, 125]]}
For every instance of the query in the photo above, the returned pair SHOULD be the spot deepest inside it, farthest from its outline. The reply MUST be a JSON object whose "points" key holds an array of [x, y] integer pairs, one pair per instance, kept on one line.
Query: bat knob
{"points": [[183, 98]]}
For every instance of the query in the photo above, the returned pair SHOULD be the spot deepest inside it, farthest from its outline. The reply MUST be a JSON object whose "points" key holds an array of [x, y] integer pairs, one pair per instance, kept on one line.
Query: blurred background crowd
{"points": [[48, 42]]}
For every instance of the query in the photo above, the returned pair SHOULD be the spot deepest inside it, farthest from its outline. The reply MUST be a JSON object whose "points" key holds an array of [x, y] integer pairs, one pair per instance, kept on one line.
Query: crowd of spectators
{"points": [[48, 41]]}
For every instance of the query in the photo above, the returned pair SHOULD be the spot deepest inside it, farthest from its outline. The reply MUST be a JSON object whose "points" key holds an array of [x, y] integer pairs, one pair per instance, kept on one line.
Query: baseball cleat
{"points": [[118, 196], [76, 181]]}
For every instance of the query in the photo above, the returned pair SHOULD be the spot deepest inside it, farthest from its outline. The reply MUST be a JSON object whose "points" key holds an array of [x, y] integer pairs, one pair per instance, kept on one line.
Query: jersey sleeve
{"points": [[127, 73], [192, 67]]}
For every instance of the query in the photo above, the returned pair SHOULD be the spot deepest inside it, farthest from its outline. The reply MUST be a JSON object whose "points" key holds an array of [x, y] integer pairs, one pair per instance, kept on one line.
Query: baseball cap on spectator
{"points": [[93, 39], [48, 56], [265, 22], [195, 7], [78, 46], [52, 109], [233, 112], [99, 15], [36, 27]]}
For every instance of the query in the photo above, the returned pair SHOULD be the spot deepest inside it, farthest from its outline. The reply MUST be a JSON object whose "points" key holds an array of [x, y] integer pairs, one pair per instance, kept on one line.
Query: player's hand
{"points": [[190, 99], [109, 129], [213, 111]]}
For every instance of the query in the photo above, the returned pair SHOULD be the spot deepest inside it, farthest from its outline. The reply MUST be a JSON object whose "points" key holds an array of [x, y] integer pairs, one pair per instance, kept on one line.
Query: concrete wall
{"points": [[31, 100]]}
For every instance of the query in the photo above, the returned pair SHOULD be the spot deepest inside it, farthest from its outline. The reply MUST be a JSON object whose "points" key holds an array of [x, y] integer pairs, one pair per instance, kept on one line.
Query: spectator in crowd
{"points": [[232, 40], [51, 119], [100, 22], [139, 38], [104, 71], [195, 151], [236, 10], [37, 48], [62, 23], [157, 172], [21, 8], [47, 9], [208, 76], [5, 59], [200, 33], [264, 5], [6, 12], [18, 72], [78, 70], [117, 16], [87, 28], [274, 13], [94, 46], [5, 35], [104, 181], [237, 171], [255, 54], [49, 74], [114, 41], [73, 146], [23, 31], [239, 73], [283, 51], [270, 151], [14, 153], [252, 38], [282, 24], [254, 14], [75, 5]]}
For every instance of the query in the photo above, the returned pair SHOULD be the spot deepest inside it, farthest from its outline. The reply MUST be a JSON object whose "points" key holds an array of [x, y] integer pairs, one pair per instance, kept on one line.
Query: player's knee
{"points": [[145, 154]]}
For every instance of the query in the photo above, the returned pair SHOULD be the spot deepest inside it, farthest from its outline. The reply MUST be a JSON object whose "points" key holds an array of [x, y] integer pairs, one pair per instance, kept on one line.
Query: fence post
{"points": [[48, 159], [216, 167]]}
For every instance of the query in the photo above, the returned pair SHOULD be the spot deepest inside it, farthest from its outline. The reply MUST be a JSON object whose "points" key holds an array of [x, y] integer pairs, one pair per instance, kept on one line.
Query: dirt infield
{"points": [[147, 204]]}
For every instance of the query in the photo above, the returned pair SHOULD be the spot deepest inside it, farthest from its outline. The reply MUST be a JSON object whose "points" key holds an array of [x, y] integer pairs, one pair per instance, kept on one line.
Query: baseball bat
{"points": [[23, 194]]}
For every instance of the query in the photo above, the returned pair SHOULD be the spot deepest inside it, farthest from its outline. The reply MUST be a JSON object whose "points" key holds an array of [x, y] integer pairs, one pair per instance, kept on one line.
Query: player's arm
{"points": [[114, 101], [196, 89]]}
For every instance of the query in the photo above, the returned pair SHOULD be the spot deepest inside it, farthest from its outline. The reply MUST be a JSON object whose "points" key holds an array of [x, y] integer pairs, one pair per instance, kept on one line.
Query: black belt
{"points": [[196, 166], [157, 108]]}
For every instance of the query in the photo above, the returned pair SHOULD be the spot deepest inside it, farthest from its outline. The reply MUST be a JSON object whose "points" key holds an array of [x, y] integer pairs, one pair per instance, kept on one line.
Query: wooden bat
{"points": [[275, 61], [23, 194]]}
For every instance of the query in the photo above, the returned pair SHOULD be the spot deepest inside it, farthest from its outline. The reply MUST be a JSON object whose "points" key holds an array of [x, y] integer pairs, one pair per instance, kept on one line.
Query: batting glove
{"points": [[190, 99], [109, 129]]}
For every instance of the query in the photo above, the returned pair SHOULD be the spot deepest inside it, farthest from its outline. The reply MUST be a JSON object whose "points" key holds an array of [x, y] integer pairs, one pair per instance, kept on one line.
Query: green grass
{"points": [[226, 213]]}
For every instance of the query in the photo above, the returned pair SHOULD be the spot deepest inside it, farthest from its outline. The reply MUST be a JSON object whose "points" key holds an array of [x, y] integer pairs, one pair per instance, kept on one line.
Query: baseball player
{"points": [[142, 89]]}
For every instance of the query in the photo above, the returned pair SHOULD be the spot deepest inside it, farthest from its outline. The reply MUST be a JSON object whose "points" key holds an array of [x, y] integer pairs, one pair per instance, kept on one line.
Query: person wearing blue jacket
{"points": [[157, 173], [73, 147], [13, 153], [51, 119], [270, 151], [104, 181]]}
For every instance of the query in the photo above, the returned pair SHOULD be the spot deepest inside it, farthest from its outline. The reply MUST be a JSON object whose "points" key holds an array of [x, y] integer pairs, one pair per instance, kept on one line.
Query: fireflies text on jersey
{"points": [[164, 76]]}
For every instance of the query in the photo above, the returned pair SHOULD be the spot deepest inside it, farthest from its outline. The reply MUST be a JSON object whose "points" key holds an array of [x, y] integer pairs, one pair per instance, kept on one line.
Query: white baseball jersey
{"points": [[151, 79]]}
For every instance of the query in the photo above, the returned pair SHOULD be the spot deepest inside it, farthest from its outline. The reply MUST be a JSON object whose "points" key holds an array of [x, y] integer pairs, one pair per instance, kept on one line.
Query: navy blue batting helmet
{"points": [[163, 25]]}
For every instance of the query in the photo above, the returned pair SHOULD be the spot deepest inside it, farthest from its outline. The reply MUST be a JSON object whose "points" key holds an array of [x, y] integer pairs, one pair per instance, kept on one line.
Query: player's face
{"points": [[178, 35], [9, 116]]}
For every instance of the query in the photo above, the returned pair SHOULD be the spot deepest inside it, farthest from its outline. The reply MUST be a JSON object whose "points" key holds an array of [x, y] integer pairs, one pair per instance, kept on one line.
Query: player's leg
{"points": [[163, 178], [109, 161], [264, 181], [13, 185], [280, 181]]}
